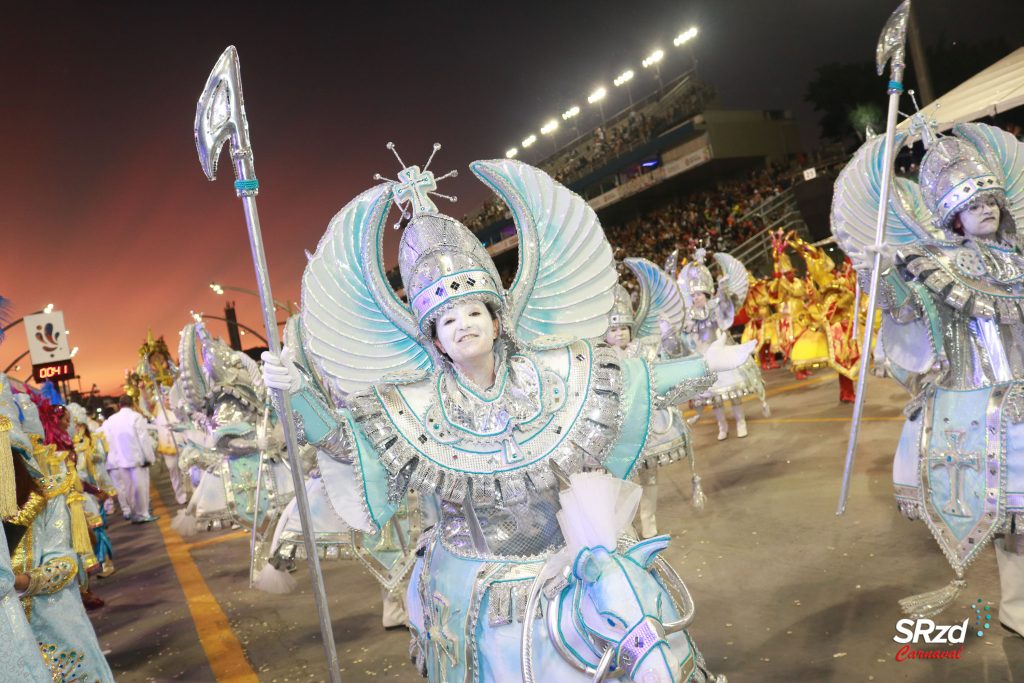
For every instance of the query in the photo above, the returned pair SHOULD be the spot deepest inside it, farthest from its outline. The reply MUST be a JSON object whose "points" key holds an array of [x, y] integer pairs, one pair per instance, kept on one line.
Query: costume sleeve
{"points": [[55, 563], [646, 387], [6, 572], [356, 481]]}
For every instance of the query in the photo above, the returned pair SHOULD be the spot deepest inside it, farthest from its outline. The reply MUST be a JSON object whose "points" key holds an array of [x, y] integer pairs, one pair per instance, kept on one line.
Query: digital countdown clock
{"points": [[57, 370]]}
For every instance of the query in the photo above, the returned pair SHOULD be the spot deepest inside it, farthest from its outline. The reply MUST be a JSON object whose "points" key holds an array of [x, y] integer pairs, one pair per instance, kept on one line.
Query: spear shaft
{"points": [[220, 118], [891, 45]]}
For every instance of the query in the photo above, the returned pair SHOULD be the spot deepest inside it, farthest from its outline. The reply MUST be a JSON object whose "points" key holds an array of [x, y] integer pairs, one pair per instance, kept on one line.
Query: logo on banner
{"points": [[948, 640], [47, 337]]}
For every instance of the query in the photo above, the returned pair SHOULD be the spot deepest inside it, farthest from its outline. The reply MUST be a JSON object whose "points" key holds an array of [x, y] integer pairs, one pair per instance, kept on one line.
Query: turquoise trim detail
{"points": [[247, 185], [631, 426], [555, 446], [317, 419], [895, 86], [373, 478]]}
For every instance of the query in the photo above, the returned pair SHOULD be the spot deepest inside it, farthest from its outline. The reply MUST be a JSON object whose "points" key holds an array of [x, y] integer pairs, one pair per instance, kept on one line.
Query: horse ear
{"points": [[585, 568], [644, 552]]}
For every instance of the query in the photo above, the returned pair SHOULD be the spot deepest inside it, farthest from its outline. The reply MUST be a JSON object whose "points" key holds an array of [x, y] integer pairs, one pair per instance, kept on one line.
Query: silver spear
{"points": [[891, 46], [220, 118]]}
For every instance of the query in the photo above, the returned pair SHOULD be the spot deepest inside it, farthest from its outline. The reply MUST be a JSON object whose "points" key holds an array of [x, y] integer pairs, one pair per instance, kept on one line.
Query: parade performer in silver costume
{"points": [[482, 398], [244, 481], [709, 315], [651, 331], [952, 292]]}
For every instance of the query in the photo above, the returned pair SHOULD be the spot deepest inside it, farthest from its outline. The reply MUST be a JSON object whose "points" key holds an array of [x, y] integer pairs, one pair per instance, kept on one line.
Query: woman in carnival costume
{"points": [[651, 332], [89, 457], [482, 398], [951, 290], [709, 315], [220, 395], [19, 650], [44, 561]]}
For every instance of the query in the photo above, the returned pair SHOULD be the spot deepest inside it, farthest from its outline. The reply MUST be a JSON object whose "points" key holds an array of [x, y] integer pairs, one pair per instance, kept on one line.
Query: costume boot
{"points": [[723, 424], [648, 480], [394, 615], [741, 420], [847, 393], [1011, 585]]}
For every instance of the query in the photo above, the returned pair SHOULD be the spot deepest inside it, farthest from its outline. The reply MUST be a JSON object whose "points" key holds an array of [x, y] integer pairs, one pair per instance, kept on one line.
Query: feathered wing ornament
{"points": [[855, 205], [736, 277], [192, 382], [355, 335], [566, 270], [659, 298], [1004, 155]]}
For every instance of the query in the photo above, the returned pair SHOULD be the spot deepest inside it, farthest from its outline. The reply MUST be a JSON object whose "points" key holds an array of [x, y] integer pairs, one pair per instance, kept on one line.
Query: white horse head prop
{"points": [[608, 615]]}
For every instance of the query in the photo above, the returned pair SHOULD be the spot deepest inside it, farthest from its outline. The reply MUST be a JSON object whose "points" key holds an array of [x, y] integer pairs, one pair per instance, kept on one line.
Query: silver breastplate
{"points": [[521, 530]]}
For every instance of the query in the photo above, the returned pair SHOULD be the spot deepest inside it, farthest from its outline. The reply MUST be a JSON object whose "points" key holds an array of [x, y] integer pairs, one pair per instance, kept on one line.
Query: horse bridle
{"points": [[619, 654]]}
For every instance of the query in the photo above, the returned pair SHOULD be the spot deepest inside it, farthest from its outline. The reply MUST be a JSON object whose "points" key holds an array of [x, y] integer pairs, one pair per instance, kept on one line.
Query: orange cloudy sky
{"points": [[105, 212]]}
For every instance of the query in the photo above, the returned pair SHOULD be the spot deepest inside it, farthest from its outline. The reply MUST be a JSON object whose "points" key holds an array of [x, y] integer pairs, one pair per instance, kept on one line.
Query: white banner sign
{"points": [[47, 337], [810, 173]]}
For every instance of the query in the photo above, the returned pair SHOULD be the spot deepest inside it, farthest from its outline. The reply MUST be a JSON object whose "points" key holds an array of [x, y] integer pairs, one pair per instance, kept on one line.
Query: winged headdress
{"points": [[357, 331], [978, 160]]}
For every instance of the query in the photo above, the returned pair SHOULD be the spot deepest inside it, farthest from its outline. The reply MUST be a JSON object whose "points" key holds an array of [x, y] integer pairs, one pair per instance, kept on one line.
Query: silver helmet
{"points": [[953, 174], [442, 262]]}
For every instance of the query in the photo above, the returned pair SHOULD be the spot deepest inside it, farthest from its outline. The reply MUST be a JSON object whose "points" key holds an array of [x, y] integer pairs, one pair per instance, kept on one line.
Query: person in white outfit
{"points": [[131, 454]]}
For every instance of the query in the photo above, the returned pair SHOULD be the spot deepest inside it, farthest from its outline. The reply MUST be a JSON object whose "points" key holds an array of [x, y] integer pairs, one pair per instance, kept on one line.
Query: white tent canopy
{"points": [[998, 88]]}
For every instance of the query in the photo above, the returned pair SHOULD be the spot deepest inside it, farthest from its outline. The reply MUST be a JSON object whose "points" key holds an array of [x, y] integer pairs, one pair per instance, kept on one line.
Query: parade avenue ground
{"points": [[785, 590]]}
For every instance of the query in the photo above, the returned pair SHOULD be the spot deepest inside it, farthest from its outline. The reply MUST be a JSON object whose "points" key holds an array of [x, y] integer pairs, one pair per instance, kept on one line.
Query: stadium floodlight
{"points": [[653, 58], [623, 78], [529, 141], [685, 37], [549, 127], [511, 153], [570, 112], [48, 309], [597, 95], [217, 289]]}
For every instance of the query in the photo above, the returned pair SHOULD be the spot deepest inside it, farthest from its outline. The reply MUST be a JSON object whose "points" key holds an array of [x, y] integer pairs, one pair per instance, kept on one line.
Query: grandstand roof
{"points": [[998, 88]]}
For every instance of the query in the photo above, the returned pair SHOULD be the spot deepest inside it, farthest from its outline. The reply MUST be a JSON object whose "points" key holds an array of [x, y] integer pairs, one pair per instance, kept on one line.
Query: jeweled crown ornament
{"points": [[439, 259], [622, 311]]}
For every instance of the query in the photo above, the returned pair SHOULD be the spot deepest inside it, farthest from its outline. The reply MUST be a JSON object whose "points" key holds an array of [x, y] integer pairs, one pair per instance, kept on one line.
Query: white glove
{"points": [[279, 374], [720, 357]]}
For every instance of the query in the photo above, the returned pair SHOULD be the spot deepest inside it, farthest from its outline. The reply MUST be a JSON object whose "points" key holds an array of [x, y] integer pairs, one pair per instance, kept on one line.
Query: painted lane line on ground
{"points": [[223, 651]]}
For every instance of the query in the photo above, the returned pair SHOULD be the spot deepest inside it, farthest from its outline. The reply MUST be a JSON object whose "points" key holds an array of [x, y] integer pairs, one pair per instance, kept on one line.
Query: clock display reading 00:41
{"points": [[58, 370]]}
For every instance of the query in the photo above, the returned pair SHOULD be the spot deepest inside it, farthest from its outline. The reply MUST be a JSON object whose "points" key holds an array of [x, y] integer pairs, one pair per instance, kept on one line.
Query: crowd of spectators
{"points": [[718, 218], [606, 143]]}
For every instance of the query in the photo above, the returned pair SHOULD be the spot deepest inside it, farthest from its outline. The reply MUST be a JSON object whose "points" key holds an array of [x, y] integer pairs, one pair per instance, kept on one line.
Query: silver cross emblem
{"points": [[955, 461]]}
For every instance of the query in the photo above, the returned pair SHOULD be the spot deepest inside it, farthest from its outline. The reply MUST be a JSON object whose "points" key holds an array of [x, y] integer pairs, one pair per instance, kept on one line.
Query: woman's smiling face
{"points": [[466, 331]]}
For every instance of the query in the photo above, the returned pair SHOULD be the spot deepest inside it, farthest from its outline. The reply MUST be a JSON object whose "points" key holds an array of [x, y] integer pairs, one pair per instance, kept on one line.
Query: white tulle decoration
{"points": [[275, 581], [185, 524], [595, 510]]}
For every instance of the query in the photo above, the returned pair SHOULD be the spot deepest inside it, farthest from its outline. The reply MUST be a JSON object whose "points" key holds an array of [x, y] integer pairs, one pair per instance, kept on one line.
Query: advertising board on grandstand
{"points": [[642, 182]]}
